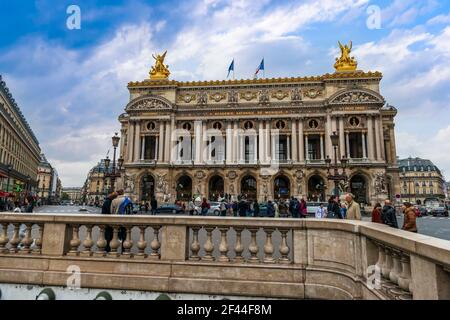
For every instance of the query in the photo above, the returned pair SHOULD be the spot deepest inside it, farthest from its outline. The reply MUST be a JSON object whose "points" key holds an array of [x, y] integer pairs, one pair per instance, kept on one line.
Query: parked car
{"points": [[311, 207], [423, 211], [440, 210], [215, 208], [169, 209]]}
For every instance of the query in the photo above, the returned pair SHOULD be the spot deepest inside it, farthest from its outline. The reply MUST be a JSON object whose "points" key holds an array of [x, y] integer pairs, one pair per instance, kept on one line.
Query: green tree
{"points": [[65, 196]]}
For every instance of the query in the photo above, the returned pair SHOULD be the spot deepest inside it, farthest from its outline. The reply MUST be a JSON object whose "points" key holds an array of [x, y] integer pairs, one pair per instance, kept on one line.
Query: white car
{"points": [[215, 208]]}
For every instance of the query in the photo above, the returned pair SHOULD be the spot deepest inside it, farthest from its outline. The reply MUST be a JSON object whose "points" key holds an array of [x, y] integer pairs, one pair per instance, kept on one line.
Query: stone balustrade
{"points": [[274, 258]]}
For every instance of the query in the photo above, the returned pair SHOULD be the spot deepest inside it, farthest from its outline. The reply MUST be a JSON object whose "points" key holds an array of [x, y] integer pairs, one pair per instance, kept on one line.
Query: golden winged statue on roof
{"points": [[345, 62], [159, 70]]}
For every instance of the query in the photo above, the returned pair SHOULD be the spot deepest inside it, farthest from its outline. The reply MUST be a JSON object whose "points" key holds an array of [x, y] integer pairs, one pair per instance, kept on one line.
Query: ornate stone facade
{"points": [[275, 133]]}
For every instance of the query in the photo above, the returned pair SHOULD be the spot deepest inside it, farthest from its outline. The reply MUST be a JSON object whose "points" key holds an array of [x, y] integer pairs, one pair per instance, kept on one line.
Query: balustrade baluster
{"points": [[38, 241], [128, 243], [404, 280], [284, 249], [396, 268], [27, 240], [238, 248], [381, 256], [386, 269], [155, 244], [114, 243], [142, 244], [208, 246], [268, 247], [4, 238], [74, 242], [101, 242], [223, 247], [195, 245], [14, 242], [253, 247], [88, 242]]}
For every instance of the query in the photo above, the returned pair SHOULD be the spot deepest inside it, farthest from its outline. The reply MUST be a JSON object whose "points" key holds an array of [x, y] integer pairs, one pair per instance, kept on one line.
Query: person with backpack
{"points": [[121, 206]]}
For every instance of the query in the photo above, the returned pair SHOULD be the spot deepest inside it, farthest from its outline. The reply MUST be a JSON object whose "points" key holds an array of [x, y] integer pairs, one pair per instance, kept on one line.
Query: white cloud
{"points": [[439, 19]]}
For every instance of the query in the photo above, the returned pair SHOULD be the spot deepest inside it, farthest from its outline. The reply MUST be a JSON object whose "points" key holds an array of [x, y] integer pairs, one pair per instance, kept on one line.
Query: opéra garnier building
{"points": [[261, 138]]}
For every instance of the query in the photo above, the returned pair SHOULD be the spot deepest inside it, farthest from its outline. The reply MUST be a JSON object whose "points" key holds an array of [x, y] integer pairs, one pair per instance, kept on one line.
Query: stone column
{"points": [[382, 153], [294, 140], [341, 138], [142, 148], [167, 144], [255, 148], [229, 142], [198, 141], [393, 147], [377, 138], [306, 147], [328, 146], [347, 140], [137, 141], [156, 149], [130, 141], [288, 142], [235, 141], [363, 138], [321, 147], [161, 142], [173, 139], [301, 147], [261, 140], [370, 142], [204, 150], [268, 142]]}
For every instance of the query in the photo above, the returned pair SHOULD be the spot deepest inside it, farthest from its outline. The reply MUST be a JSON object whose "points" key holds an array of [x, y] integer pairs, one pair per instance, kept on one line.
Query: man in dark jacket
{"points": [[154, 205], [333, 208], [106, 209], [293, 207], [388, 215], [242, 207]]}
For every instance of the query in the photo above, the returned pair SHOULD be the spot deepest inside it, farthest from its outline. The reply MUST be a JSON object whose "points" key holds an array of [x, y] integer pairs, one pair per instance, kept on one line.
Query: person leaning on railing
{"points": [[106, 209]]}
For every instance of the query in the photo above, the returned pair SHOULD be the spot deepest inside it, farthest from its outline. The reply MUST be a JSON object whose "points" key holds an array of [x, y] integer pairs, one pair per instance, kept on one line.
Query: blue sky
{"points": [[71, 84]]}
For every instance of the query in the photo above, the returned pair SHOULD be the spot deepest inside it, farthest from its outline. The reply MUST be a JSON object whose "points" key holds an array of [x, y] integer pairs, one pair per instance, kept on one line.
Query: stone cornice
{"points": [[358, 75]]}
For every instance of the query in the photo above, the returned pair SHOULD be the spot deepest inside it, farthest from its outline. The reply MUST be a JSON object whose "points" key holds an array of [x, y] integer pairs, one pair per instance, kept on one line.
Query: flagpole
{"points": [[233, 68], [264, 70]]}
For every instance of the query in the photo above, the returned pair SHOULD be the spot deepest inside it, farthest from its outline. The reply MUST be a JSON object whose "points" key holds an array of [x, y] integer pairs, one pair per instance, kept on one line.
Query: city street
{"points": [[433, 226]]}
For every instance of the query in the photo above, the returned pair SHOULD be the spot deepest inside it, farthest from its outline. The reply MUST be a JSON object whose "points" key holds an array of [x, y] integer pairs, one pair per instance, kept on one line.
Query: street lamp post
{"points": [[336, 176], [114, 173]]}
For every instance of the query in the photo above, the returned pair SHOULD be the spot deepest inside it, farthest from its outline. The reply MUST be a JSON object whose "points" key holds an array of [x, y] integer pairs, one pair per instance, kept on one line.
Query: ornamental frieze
{"points": [[357, 96], [280, 94], [312, 93], [187, 97], [217, 96], [148, 103], [248, 95]]}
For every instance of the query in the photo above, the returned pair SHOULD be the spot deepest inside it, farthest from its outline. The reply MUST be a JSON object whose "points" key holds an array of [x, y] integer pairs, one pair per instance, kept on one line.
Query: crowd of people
{"points": [[387, 215], [25, 204]]}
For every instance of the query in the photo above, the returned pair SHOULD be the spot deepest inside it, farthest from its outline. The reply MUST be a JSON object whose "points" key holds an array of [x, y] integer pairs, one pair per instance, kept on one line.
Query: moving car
{"points": [[169, 209], [440, 210]]}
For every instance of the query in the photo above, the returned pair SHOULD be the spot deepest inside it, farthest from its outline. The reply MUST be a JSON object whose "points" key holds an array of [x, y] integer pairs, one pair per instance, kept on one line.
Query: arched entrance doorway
{"points": [[316, 188], [281, 188], [184, 188], [248, 187], [358, 186], [147, 187], [216, 188]]}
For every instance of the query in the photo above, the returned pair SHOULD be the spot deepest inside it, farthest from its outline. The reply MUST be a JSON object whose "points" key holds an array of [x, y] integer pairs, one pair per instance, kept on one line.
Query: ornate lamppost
{"points": [[114, 173], [336, 176], [107, 162]]}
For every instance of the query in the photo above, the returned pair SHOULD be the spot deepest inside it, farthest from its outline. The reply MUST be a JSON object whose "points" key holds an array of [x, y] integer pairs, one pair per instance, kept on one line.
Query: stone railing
{"points": [[273, 258]]}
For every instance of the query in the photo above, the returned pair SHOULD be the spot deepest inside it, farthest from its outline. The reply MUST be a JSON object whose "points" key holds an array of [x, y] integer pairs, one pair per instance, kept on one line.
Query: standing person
{"points": [[235, 208], [376, 213], [303, 210], [29, 204], [293, 207], [223, 208], [119, 206], [106, 209], [146, 206], [270, 209], [153, 205], [277, 209], [353, 209], [409, 223], [205, 207], [242, 208], [191, 207], [388, 215], [321, 212], [334, 208], [256, 209], [343, 210]]}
